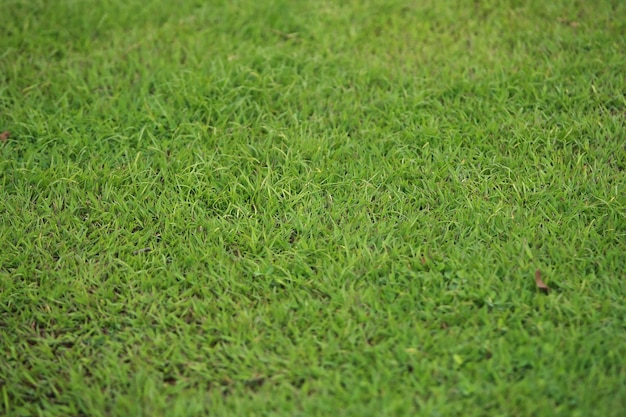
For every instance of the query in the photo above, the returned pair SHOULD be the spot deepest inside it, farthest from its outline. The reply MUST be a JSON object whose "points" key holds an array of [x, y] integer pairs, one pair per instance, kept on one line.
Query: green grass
{"points": [[312, 208]]}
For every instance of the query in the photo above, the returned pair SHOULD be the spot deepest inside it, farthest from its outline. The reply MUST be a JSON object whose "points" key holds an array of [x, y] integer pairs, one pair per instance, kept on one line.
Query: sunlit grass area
{"points": [[312, 207]]}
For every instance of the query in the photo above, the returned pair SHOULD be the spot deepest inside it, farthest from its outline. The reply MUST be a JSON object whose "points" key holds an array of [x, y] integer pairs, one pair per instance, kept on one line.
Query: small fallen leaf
{"points": [[4, 136], [540, 284]]}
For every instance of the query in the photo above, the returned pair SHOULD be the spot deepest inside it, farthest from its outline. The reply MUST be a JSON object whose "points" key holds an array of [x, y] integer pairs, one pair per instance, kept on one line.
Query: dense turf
{"points": [[312, 208]]}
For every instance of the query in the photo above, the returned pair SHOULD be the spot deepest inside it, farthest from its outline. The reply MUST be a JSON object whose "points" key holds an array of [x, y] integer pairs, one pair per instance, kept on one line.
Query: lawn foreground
{"points": [[298, 208]]}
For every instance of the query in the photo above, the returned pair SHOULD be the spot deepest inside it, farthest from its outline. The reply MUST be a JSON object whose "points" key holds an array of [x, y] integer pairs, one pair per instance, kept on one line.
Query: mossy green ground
{"points": [[312, 208]]}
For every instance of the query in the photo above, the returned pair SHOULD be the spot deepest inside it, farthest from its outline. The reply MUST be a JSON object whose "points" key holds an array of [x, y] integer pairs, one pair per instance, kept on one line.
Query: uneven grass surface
{"points": [[298, 208]]}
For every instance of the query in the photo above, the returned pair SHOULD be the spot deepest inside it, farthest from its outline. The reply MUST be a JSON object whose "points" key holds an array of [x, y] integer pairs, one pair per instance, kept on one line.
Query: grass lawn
{"points": [[315, 207]]}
